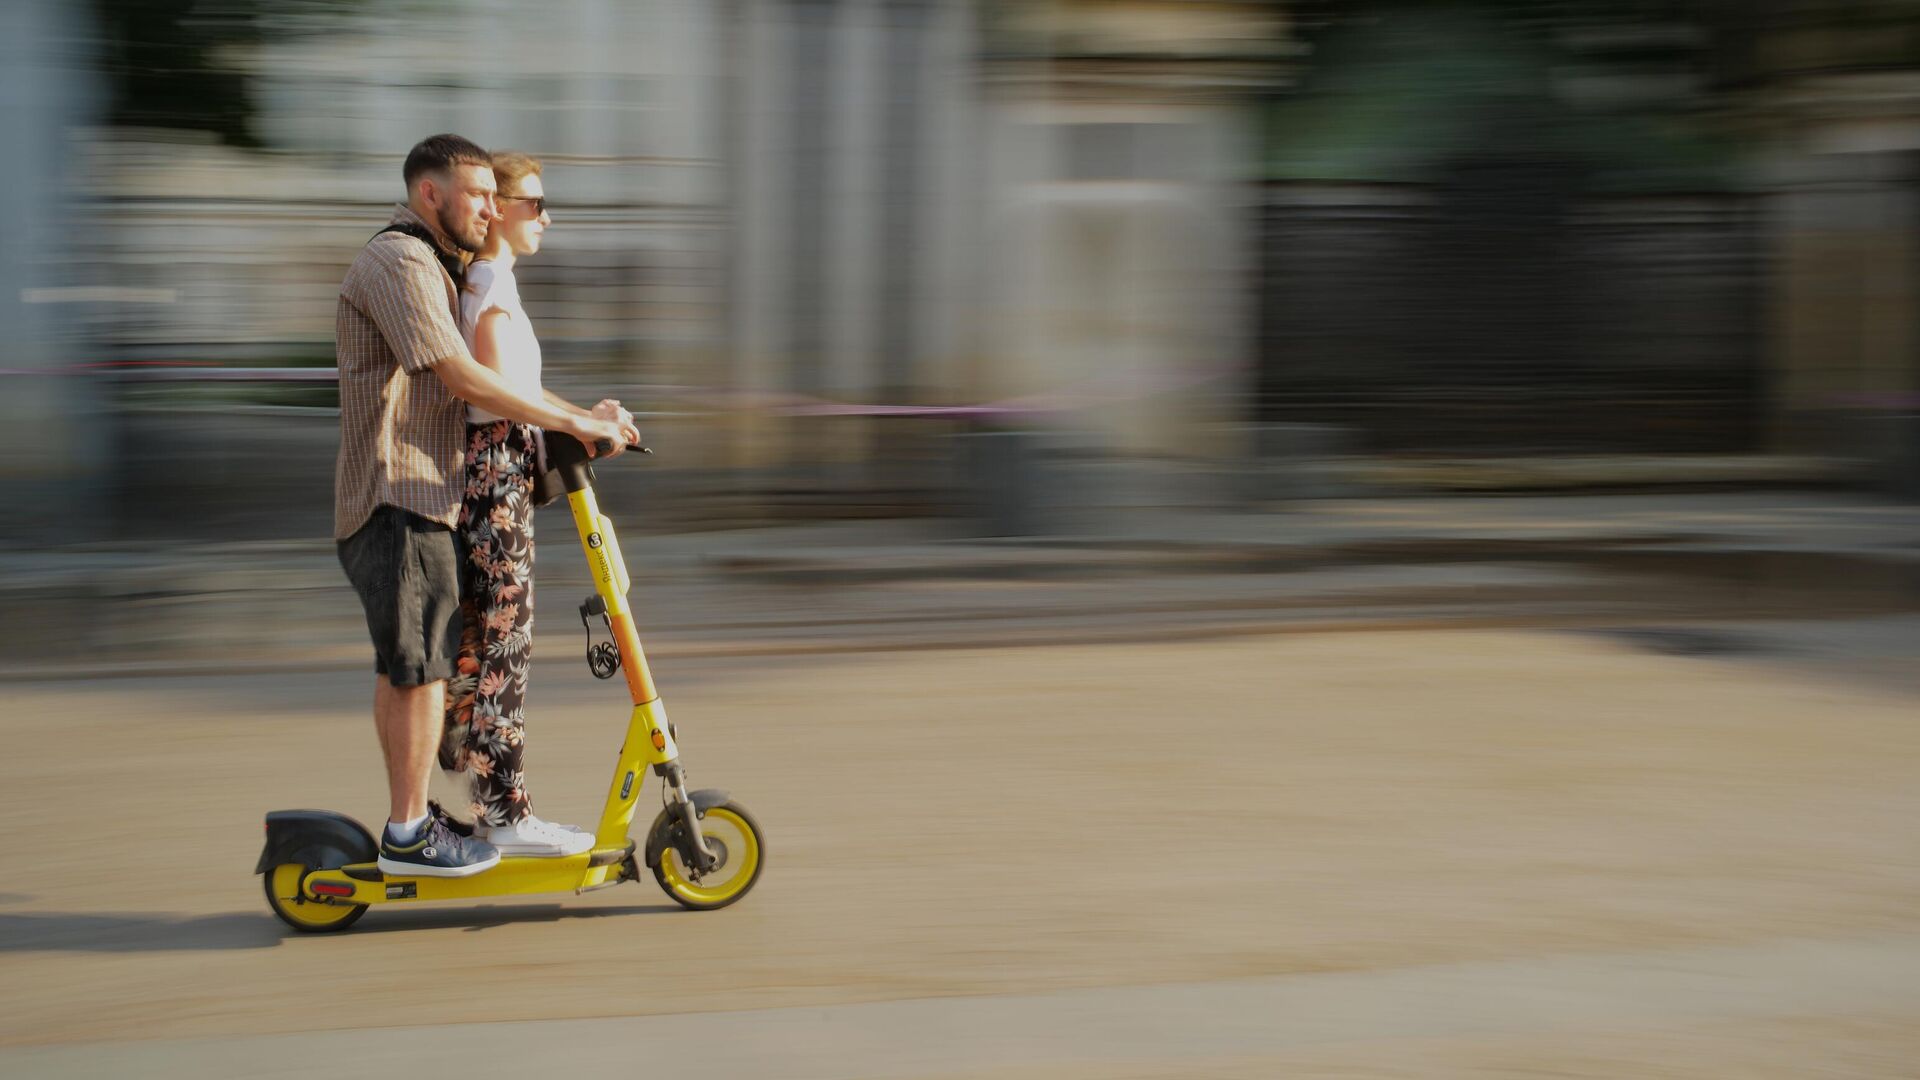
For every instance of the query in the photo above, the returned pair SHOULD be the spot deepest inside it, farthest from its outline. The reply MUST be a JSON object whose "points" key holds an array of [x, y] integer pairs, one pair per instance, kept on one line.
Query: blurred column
{"points": [[783, 70], [851, 148], [1835, 89], [757, 134], [1846, 298], [903, 119], [54, 432], [813, 72]]}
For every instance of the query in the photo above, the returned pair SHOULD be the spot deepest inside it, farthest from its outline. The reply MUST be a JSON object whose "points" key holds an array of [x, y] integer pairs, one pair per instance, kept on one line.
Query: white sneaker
{"points": [[574, 829], [541, 839]]}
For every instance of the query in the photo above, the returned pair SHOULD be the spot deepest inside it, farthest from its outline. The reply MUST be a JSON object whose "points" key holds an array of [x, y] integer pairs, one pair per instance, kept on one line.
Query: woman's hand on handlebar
{"points": [[609, 409]]}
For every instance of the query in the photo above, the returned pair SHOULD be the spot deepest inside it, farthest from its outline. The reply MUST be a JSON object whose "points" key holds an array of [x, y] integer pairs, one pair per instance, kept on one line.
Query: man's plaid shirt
{"points": [[402, 435]]}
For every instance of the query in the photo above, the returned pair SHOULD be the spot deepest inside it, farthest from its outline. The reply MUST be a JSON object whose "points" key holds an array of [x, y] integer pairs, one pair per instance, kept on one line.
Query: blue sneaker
{"points": [[437, 852]]}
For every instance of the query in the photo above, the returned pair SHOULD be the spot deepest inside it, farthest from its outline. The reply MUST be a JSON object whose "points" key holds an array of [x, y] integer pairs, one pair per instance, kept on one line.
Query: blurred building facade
{"points": [[779, 222], [1474, 227], [615, 97]]}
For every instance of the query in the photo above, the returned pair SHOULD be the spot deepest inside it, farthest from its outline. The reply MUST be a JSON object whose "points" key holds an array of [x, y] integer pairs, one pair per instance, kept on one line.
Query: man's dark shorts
{"points": [[407, 572]]}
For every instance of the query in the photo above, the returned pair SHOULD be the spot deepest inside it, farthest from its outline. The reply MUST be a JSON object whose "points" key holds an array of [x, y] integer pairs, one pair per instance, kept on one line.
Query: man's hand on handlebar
{"points": [[592, 430]]}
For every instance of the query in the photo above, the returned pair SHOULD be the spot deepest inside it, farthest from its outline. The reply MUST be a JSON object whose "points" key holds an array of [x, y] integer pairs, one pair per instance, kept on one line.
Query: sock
{"points": [[406, 832]]}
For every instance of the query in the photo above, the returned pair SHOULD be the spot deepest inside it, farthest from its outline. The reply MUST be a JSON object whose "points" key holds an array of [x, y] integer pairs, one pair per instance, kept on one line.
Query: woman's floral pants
{"points": [[486, 699]]}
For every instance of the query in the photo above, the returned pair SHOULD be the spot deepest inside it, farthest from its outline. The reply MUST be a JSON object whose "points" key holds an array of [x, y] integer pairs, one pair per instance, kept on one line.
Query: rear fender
{"points": [[304, 836]]}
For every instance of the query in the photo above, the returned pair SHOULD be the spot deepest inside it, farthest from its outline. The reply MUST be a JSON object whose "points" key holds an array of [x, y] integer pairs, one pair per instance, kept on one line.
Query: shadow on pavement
{"points": [[473, 919], [135, 932]]}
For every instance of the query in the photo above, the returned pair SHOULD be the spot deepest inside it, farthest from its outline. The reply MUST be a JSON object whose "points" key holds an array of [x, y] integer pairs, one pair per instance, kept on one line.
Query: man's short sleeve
{"points": [[406, 298]]}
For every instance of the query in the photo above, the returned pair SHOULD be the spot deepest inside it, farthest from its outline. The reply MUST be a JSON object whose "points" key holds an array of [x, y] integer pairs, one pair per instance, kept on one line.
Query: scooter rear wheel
{"points": [[738, 835], [305, 915]]}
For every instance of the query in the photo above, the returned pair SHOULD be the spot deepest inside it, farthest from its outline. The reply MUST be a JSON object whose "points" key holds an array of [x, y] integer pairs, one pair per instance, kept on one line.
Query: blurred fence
{"points": [[1471, 322]]}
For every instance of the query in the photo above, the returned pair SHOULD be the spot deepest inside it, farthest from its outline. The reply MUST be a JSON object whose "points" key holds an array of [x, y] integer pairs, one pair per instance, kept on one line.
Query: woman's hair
{"points": [[510, 167]]}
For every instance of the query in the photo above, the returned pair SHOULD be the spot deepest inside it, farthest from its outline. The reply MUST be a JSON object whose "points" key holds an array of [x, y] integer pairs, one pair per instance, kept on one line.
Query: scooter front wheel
{"points": [[306, 915], [731, 834]]}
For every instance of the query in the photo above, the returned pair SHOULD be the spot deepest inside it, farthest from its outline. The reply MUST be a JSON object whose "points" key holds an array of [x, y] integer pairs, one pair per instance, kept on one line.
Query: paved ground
{"points": [[1415, 854]]}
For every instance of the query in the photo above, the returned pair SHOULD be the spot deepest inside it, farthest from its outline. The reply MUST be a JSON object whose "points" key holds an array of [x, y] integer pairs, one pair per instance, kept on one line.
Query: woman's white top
{"points": [[491, 287]]}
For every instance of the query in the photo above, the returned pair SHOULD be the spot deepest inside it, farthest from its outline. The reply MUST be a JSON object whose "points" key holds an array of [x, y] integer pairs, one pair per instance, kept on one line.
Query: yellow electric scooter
{"points": [[703, 849]]}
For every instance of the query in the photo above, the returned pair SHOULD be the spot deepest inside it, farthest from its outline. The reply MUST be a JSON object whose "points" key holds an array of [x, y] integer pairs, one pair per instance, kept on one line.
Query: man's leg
{"points": [[406, 572], [409, 721]]}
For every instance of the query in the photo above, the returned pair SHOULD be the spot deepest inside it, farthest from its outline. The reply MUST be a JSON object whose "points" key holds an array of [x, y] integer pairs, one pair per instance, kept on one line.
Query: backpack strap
{"points": [[454, 267]]}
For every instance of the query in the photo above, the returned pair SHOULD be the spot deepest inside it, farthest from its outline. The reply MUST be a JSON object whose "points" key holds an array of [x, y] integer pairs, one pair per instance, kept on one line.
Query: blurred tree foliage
{"points": [[1616, 91], [1742, 40], [178, 64], [1636, 89]]}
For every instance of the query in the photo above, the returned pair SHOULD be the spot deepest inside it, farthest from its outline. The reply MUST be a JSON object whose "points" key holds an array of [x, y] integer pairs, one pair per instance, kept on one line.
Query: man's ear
{"points": [[430, 194]]}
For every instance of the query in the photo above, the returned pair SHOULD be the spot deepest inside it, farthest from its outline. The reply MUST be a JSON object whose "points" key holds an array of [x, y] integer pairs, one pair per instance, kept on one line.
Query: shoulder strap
{"points": [[454, 268]]}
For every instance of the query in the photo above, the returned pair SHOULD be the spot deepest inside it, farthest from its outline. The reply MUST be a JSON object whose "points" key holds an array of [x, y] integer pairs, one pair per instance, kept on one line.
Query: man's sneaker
{"points": [[541, 839], [438, 852]]}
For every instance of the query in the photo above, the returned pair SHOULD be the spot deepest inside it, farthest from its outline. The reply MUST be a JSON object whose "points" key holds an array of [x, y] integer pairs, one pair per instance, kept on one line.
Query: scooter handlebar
{"points": [[568, 457], [565, 450]]}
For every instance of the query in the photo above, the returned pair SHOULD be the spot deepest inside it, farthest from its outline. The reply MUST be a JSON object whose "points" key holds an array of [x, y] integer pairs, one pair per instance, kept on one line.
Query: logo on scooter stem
{"points": [[593, 540]]}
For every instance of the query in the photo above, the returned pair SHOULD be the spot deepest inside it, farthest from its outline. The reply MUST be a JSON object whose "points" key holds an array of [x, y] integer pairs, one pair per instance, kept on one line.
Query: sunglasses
{"points": [[539, 202]]}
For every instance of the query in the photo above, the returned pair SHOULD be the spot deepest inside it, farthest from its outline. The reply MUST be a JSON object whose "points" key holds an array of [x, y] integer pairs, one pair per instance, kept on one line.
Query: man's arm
{"points": [[470, 381], [607, 409], [561, 403]]}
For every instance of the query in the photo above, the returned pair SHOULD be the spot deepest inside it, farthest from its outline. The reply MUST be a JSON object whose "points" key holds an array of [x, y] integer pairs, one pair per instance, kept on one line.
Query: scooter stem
{"points": [[649, 741]]}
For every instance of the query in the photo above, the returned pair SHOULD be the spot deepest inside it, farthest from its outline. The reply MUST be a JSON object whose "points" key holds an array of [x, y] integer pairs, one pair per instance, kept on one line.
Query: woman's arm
{"points": [[487, 340], [481, 384], [487, 332]]}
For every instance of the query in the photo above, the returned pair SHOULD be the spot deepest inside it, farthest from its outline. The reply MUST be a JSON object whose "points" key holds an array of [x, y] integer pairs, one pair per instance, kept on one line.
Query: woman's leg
{"points": [[476, 503], [497, 518], [455, 738]]}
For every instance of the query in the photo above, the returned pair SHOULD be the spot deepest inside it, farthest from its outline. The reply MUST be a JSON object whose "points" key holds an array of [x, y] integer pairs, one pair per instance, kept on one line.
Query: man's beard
{"points": [[451, 230]]}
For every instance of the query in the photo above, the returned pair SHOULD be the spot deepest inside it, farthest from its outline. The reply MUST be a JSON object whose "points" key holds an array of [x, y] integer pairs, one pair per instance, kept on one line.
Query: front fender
{"points": [[301, 835], [667, 828]]}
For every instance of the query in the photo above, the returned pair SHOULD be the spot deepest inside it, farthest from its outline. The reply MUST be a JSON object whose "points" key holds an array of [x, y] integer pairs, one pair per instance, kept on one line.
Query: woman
{"points": [[486, 712]]}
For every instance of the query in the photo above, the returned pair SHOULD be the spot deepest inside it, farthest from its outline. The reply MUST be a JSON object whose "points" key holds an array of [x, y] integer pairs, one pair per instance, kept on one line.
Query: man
{"points": [[405, 374]]}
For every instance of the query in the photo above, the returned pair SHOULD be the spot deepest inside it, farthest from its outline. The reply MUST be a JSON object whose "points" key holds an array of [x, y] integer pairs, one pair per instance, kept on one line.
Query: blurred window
{"points": [[1127, 151]]}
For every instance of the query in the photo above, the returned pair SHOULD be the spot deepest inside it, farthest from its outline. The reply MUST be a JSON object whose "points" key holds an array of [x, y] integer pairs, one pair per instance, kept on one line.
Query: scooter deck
{"points": [[366, 883]]}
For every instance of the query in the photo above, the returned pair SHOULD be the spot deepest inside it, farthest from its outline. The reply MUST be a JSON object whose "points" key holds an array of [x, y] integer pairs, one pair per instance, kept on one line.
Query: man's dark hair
{"points": [[439, 153]]}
